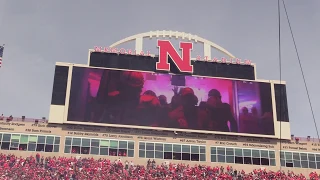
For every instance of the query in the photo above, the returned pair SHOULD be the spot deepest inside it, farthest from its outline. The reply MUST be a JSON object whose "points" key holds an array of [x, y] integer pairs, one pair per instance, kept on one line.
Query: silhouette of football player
{"points": [[163, 111], [148, 109], [122, 97], [163, 100], [175, 100], [248, 124], [220, 113], [187, 115]]}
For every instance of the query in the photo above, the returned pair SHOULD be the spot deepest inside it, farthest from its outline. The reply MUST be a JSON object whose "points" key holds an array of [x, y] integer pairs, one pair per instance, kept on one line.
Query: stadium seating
{"points": [[40, 168]]}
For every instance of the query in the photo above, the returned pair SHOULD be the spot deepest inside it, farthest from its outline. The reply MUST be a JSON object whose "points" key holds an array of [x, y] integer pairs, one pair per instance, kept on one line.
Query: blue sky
{"points": [[39, 33]]}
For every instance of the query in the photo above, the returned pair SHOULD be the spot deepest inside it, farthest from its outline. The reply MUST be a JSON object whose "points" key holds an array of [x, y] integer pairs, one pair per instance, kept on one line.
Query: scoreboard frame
{"points": [[59, 114]]}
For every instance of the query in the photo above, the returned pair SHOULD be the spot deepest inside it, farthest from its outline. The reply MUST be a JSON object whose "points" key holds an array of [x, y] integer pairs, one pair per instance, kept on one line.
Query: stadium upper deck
{"points": [[248, 153]]}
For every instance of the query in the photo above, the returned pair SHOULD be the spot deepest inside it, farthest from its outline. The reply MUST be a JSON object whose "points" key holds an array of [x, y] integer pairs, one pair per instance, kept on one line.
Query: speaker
{"points": [[280, 94], [178, 80], [60, 82]]}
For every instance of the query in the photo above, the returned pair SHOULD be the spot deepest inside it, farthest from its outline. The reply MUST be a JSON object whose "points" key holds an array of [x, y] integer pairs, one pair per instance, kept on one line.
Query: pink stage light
{"points": [[247, 104]]}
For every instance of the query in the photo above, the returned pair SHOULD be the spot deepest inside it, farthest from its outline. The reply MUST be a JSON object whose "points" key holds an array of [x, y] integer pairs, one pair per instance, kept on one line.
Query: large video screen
{"points": [[170, 101]]}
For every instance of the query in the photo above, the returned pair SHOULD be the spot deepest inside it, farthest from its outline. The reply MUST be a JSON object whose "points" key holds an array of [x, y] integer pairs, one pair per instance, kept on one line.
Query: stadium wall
{"points": [[136, 136]]}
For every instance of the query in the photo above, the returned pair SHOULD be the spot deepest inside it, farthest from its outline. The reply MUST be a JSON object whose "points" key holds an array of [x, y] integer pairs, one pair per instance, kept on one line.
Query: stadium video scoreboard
{"points": [[168, 93]]}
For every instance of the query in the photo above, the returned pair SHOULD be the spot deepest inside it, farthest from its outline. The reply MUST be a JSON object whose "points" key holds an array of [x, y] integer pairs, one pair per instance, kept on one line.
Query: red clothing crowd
{"points": [[62, 168]]}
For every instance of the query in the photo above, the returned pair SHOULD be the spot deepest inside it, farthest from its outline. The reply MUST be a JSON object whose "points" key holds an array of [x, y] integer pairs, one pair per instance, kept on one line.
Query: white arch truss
{"points": [[138, 38]]}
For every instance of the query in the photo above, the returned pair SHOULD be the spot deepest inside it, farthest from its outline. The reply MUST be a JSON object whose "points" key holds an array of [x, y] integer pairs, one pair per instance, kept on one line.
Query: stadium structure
{"points": [[169, 107]]}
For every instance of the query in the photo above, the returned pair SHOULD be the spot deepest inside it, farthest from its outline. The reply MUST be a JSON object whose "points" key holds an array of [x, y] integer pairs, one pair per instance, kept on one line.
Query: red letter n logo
{"points": [[183, 64]]}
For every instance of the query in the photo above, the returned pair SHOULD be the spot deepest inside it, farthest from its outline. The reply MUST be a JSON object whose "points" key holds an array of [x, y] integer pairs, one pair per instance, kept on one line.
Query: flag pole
{"points": [[1, 55]]}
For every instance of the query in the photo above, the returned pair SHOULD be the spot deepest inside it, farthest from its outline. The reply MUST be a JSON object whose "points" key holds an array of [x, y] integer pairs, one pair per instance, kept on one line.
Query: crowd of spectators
{"points": [[46, 168]]}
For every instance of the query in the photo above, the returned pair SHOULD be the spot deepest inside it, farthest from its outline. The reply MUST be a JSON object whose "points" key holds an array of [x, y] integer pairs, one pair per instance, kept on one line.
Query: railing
{"points": [[17, 119], [303, 139]]}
